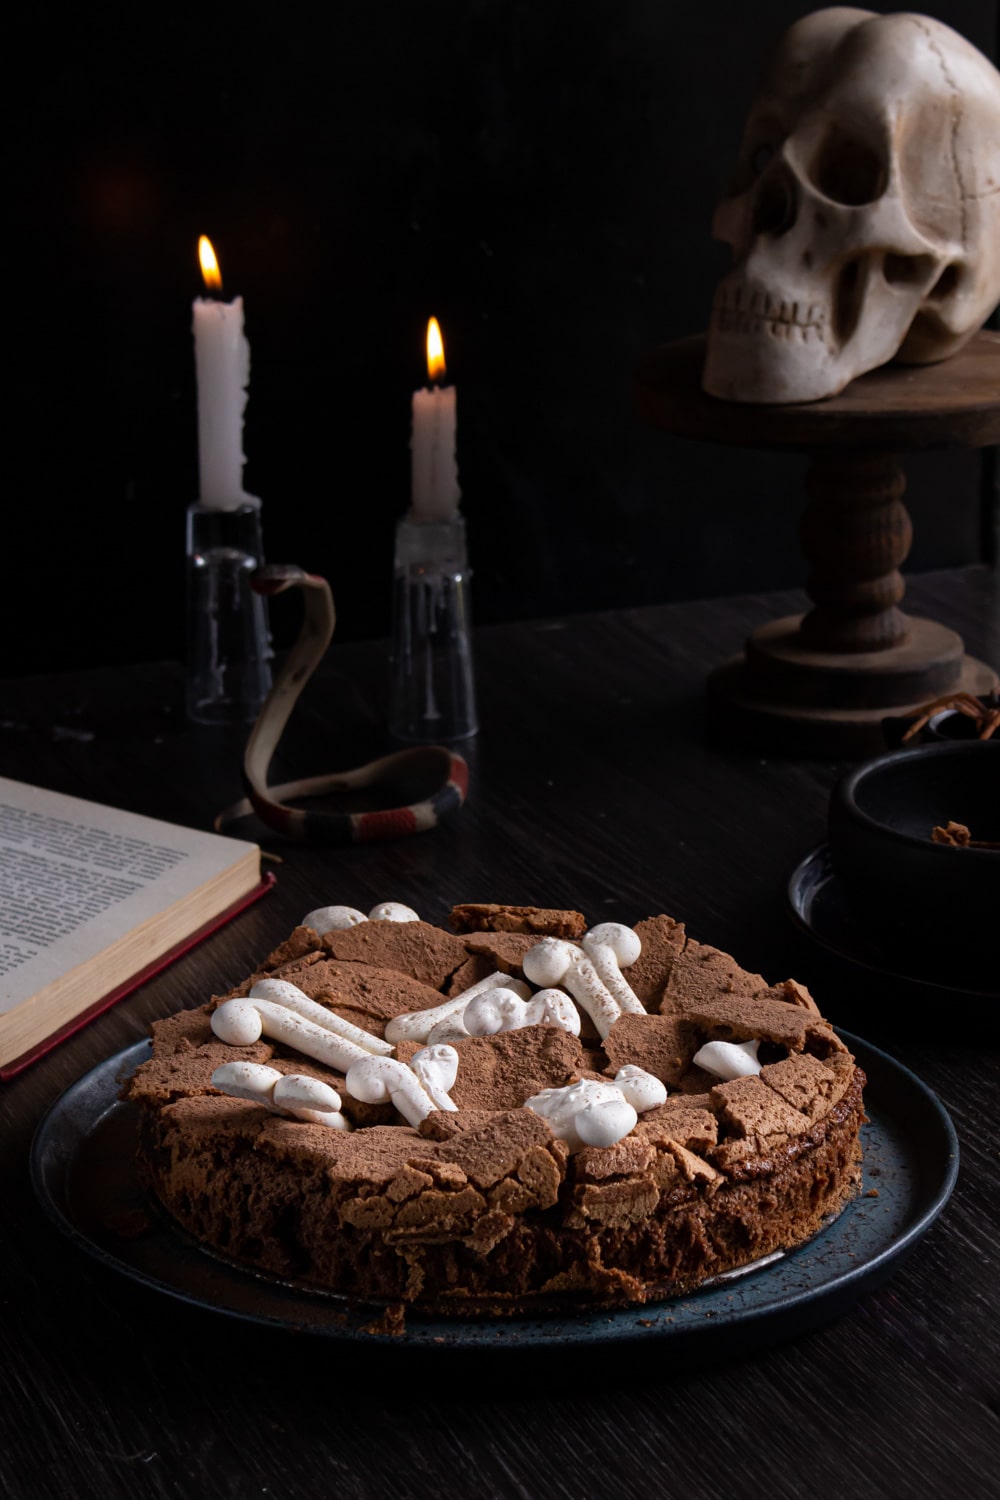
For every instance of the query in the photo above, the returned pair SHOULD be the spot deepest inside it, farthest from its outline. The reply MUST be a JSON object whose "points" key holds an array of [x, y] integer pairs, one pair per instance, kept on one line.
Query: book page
{"points": [[76, 875]]}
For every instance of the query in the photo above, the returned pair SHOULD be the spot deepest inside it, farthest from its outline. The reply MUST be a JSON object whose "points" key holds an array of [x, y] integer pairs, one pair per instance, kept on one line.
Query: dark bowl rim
{"points": [[845, 793]]}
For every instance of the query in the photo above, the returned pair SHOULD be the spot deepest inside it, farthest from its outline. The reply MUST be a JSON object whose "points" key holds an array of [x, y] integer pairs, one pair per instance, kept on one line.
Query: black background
{"points": [[540, 176]]}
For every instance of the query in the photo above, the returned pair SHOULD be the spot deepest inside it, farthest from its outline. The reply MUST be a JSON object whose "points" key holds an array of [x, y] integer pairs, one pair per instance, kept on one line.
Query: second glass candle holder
{"points": [[432, 694]]}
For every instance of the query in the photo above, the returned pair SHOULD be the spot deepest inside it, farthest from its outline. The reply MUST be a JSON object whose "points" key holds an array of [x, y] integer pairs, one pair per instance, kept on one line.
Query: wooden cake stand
{"points": [[822, 682]]}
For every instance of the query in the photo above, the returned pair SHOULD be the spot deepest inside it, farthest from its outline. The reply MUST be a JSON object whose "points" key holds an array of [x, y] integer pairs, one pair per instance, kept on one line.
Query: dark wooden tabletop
{"points": [[592, 786]]}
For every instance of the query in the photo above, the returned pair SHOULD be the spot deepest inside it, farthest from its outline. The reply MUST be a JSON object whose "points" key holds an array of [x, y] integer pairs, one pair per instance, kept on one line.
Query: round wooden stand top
{"points": [[898, 408]]}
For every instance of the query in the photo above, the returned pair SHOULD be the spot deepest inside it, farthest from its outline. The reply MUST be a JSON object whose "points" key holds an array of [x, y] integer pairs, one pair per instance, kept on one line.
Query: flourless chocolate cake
{"points": [[516, 1114]]}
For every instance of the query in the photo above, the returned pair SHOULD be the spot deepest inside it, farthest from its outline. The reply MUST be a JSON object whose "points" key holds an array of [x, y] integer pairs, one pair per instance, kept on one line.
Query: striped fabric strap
{"points": [[436, 777]]}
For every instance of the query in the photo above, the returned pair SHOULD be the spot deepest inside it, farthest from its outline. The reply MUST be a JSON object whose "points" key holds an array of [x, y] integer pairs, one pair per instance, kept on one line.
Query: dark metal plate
{"points": [[82, 1167]]}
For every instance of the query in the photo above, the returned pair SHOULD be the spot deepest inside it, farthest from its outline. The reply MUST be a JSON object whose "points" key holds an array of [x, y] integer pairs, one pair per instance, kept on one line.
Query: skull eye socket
{"points": [[752, 163], [775, 204], [848, 171]]}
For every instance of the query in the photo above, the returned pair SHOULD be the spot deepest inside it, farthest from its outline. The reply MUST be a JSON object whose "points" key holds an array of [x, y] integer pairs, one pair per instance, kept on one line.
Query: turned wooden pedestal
{"points": [[821, 683]]}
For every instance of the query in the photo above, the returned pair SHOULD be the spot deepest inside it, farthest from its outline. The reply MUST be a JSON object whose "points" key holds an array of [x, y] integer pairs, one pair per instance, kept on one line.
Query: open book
{"points": [[94, 901]]}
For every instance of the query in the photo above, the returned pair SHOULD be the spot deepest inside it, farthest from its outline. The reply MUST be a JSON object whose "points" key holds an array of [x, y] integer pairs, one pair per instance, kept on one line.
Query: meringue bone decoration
{"points": [[502, 1009], [553, 962], [611, 946], [338, 918], [424, 1025], [240, 1023], [594, 1113], [864, 211], [415, 1091], [728, 1060], [281, 992], [294, 1094]]}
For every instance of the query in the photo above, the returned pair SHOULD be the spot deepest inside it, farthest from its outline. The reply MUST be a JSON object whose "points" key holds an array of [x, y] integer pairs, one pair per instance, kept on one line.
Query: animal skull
{"points": [[864, 213]]}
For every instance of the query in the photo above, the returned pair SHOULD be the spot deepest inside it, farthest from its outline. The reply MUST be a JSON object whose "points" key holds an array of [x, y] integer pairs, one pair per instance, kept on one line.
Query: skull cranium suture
{"points": [[864, 213]]}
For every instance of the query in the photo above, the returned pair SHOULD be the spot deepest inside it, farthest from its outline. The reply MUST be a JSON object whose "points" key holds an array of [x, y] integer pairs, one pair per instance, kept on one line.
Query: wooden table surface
{"points": [[591, 787]]}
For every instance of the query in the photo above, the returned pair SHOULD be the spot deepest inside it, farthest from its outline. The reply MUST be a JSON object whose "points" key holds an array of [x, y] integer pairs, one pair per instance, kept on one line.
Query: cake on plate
{"points": [[514, 1113]]}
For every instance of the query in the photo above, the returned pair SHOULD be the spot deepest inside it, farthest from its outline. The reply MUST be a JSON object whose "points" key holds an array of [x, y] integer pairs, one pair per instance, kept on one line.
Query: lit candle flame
{"points": [[435, 352], [209, 265]]}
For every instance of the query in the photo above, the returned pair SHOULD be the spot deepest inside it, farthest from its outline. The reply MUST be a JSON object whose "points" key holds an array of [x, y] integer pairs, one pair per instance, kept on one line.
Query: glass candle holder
{"points": [[228, 637], [432, 695]]}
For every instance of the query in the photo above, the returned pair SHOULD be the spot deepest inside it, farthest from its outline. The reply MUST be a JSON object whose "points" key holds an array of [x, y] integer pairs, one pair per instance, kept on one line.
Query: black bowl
{"points": [[933, 904]]}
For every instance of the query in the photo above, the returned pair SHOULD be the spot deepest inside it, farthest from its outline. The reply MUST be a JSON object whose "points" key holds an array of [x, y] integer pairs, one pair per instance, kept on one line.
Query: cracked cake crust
{"points": [[484, 1209]]}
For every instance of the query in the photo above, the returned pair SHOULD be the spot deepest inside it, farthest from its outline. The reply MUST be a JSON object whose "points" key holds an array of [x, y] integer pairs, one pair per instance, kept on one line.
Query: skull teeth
{"points": [[743, 309], [747, 310], [727, 321]]}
